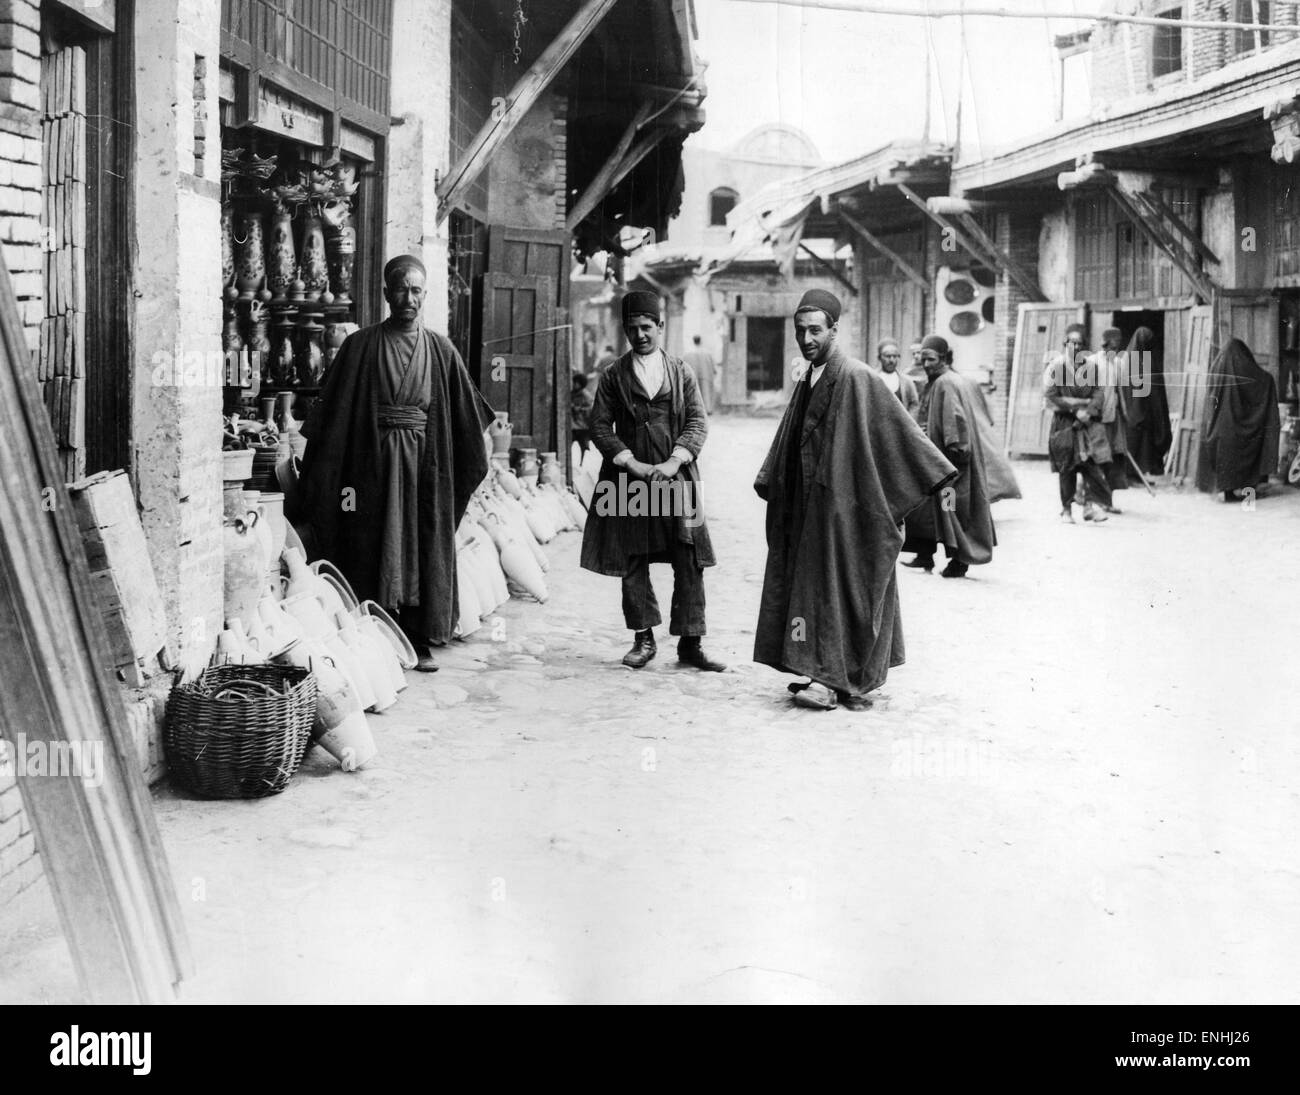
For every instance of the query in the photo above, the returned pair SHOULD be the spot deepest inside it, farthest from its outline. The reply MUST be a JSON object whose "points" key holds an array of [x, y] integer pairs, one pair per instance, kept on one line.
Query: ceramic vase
{"points": [[227, 245], [528, 467], [250, 257], [315, 270], [281, 260], [342, 247], [549, 470]]}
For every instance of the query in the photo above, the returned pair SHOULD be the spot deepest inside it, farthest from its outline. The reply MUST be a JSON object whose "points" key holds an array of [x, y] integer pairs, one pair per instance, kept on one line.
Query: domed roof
{"points": [[778, 142]]}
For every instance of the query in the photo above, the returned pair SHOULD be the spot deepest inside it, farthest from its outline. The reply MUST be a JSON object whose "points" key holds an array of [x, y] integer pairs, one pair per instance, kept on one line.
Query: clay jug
{"points": [[470, 611], [501, 432], [509, 482], [349, 742], [235, 648], [371, 660], [490, 561], [549, 471], [528, 466], [467, 563], [522, 569], [306, 608], [352, 665], [244, 566], [370, 628]]}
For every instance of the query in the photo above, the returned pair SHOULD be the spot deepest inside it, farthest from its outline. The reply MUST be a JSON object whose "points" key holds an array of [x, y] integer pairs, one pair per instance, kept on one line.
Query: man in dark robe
{"points": [[649, 423], [1076, 439], [1239, 433], [395, 451], [1149, 436], [847, 465], [959, 516]]}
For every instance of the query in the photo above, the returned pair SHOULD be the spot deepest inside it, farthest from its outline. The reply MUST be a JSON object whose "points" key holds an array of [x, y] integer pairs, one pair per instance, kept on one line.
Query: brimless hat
{"points": [[640, 303], [819, 300]]}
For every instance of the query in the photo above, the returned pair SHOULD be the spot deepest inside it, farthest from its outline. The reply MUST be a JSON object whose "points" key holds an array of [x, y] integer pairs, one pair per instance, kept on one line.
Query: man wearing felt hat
{"points": [[395, 449], [649, 423], [847, 465]]}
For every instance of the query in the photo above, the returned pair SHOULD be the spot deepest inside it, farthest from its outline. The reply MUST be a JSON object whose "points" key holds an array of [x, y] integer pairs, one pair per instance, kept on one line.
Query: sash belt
{"points": [[395, 417]]}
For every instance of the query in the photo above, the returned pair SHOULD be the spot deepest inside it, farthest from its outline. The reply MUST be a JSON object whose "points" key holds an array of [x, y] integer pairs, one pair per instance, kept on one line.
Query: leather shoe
{"points": [[643, 649], [690, 652], [954, 569], [922, 562], [425, 662]]}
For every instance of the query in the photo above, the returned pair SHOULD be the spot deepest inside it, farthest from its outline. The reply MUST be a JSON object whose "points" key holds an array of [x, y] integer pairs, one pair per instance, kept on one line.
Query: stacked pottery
{"points": [[245, 565], [516, 560]]}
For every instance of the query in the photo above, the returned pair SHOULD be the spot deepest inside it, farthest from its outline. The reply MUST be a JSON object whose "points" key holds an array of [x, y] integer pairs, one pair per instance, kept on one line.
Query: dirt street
{"points": [[1084, 786]]}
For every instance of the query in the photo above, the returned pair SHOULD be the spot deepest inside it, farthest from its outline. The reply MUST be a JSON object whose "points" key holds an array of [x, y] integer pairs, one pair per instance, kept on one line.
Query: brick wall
{"points": [[20, 240], [559, 157], [1016, 232], [20, 158]]}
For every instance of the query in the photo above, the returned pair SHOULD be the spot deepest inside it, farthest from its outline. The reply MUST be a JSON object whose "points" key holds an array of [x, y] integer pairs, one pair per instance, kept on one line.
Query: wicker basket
{"points": [[239, 731]]}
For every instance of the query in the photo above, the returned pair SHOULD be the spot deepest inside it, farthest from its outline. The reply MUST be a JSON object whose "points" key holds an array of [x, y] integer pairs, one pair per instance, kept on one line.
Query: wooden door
{"points": [[1250, 315], [536, 252], [895, 309], [1040, 332], [517, 355], [1185, 390]]}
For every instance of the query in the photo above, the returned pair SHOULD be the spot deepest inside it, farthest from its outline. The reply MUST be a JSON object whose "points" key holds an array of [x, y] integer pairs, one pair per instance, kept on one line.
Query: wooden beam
{"points": [[639, 152], [1017, 273], [602, 183], [972, 248], [93, 821], [520, 100], [905, 267], [1142, 217], [830, 269], [1192, 237]]}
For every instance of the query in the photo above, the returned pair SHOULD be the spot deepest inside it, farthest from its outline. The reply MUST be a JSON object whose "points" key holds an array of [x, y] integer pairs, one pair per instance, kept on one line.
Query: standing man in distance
{"points": [[649, 423], [395, 451], [847, 465], [889, 356], [702, 362], [1076, 439]]}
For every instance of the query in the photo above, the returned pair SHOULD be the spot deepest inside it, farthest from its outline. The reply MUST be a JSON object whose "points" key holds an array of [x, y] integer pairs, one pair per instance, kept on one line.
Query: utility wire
{"points": [[869, 7]]}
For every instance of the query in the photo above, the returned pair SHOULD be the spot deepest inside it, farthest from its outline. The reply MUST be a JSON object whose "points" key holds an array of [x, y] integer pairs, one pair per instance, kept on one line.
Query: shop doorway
{"points": [[765, 371]]}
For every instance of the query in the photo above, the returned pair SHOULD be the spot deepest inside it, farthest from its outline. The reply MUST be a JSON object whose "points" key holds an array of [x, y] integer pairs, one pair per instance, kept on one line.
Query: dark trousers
{"points": [[641, 608], [1095, 487]]}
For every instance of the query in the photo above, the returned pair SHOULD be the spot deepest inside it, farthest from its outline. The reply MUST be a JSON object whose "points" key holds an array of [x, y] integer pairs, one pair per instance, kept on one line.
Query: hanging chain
{"points": [[520, 20]]}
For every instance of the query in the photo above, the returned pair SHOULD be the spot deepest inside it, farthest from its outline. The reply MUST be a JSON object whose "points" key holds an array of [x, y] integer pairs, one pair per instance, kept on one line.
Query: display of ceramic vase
{"points": [[501, 432], [470, 611], [282, 352], [314, 269], [250, 258], [549, 471], [372, 660], [374, 633], [342, 248], [334, 336], [290, 427], [395, 635], [522, 569], [234, 647], [307, 610], [350, 742], [282, 629], [244, 565], [311, 355], [227, 245], [281, 262], [527, 466], [509, 482], [468, 568], [273, 514], [539, 523], [265, 536], [491, 562], [351, 663]]}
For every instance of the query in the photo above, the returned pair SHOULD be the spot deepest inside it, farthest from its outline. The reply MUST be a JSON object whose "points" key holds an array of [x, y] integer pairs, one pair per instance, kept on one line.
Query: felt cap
{"points": [[640, 303], [819, 300], [937, 343], [400, 263]]}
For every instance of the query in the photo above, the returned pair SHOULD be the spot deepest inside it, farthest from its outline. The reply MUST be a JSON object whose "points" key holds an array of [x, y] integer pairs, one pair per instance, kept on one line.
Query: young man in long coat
{"points": [[959, 517], [395, 449], [888, 355], [1076, 439], [847, 465], [649, 423]]}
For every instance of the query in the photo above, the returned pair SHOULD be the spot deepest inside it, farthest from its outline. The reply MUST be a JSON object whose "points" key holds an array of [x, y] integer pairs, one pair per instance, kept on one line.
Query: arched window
{"points": [[721, 202]]}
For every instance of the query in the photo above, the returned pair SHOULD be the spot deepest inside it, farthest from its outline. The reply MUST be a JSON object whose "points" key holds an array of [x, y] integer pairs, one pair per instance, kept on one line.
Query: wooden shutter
{"points": [[1040, 332], [517, 355], [1185, 389], [1250, 315]]}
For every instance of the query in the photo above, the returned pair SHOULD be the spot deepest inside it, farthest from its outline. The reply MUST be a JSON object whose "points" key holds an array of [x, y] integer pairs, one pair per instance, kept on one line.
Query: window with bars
{"points": [[341, 45], [1167, 45]]}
